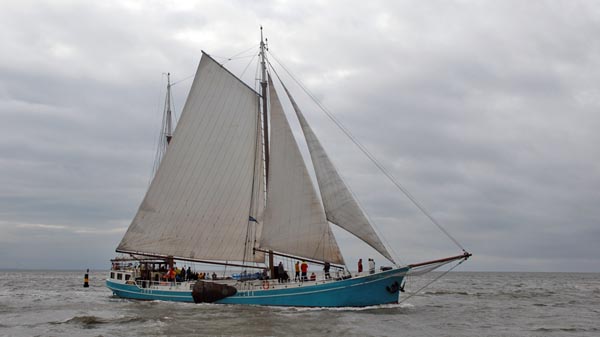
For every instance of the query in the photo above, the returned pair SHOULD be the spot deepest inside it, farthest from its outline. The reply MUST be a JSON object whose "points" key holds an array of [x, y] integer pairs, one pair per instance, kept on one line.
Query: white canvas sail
{"points": [[294, 222], [200, 199], [340, 206], [258, 198]]}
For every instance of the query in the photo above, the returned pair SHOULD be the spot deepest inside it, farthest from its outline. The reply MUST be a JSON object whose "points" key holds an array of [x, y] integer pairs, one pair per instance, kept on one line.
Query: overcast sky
{"points": [[486, 111]]}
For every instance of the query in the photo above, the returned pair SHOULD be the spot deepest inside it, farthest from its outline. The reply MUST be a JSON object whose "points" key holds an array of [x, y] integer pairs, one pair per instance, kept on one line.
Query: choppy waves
{"points": [[460, 304], [88, 321]]}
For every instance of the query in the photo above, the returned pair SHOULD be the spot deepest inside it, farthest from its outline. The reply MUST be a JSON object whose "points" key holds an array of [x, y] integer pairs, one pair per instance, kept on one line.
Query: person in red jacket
{"points": [[170, 275], [304, 269], [360, 266]]}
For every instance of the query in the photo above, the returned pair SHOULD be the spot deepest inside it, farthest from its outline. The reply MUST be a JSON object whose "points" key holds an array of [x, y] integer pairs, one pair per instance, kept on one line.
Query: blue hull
{"points": [[354, 292], [134, 292]]}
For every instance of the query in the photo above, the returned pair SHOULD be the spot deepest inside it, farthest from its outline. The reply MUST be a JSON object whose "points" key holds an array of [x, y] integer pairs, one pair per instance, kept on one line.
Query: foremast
{"points": [[166, 128]]}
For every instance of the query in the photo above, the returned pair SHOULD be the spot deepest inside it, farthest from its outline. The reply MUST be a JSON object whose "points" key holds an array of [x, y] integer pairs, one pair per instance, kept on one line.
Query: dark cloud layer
{"points": [[486, 111]]}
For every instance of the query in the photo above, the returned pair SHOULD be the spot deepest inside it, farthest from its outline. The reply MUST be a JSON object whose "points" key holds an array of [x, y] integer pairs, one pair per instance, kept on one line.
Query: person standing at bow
{"points": [[371, 266]]}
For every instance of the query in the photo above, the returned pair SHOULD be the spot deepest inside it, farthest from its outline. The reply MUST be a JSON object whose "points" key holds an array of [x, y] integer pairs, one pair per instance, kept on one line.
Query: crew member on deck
{"points": [[280, 272], [326, 270], [371, 266], [304, 268], [171, 275], [297, 269]]}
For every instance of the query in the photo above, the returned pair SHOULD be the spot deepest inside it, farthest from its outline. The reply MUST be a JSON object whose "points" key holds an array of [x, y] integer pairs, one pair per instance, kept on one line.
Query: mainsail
{"points": [[340, 206], [295, 221], [206, 187], [211, 182]]}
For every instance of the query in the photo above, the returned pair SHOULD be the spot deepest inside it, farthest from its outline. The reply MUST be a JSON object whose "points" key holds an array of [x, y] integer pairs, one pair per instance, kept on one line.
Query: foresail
{"points": [[199, 202], [294, 221], [340, 206]]}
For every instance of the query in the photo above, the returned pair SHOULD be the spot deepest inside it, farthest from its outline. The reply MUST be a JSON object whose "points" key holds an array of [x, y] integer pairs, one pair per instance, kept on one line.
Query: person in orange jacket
{"points": [[171, 275], [297, 270]]}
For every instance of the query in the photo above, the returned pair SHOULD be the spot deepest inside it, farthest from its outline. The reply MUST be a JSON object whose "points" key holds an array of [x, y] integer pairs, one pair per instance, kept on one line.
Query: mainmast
{"points": [[168, 125], [263, 84]]}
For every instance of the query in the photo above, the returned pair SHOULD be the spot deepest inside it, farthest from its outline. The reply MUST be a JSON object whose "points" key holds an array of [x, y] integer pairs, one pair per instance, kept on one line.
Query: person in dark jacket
{"points": [[326, 270], [280, 272]]}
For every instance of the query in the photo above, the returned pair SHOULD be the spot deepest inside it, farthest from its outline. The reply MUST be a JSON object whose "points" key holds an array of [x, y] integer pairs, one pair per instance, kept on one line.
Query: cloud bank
{"points": [[486, 111]]}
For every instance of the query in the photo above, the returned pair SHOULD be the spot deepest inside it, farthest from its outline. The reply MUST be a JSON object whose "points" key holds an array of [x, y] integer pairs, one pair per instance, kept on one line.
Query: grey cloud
{"points": [[486, 112]]}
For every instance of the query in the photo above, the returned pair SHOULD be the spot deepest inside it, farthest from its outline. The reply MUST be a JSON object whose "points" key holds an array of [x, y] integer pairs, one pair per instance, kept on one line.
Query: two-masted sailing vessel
{"points": [[232, 189]]}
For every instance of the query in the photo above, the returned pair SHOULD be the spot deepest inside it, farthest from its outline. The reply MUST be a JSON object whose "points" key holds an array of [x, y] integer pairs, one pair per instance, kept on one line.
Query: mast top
{"points": [[263, 79], [265, 117]]}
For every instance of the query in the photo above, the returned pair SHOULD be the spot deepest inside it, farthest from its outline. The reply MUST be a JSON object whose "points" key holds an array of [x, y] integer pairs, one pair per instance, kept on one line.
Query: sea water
{"points": [[54, 303]]}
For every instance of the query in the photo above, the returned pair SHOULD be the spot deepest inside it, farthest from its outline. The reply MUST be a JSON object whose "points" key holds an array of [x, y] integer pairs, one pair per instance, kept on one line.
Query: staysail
{"points": [[199, 202], [295, 221], [340, 206]]}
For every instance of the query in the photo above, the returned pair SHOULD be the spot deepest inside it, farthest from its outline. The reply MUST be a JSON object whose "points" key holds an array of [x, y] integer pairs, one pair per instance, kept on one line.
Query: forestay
{"points": [[340, 206], [295, 221], [199, 201]]}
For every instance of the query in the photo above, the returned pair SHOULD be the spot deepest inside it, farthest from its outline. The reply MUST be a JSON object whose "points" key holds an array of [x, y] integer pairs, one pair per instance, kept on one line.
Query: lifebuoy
{"points": [[265, 285]]}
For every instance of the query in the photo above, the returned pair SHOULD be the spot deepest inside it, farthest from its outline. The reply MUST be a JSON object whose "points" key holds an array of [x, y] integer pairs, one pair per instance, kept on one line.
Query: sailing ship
{"points": [[233, 189]]}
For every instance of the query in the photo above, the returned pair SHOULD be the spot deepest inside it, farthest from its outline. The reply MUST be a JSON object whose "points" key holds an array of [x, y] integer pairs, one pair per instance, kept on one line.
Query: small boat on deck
{"points": [[233, 189]]}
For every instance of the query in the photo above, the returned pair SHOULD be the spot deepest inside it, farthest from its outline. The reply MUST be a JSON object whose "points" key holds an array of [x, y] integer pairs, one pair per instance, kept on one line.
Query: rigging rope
{"points": [[183, 79], [248, 65], [158, 139], [432, 281], [236, 55], [369, 154]]}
